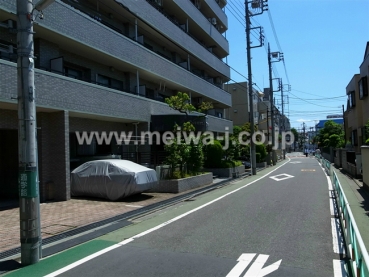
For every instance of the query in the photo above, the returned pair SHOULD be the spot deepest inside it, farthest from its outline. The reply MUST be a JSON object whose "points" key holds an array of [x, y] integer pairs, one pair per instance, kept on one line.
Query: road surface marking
{"points": [[243, 262], [339, 269], [295, 162], [77, 263], [332, 207], [338, 246], [330, 187], [281, 177], [307, 169], [256, 269]]}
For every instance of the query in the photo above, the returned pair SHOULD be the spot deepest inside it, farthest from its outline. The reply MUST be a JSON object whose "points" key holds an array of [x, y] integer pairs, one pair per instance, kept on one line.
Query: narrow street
{"points": [[277, 223]]}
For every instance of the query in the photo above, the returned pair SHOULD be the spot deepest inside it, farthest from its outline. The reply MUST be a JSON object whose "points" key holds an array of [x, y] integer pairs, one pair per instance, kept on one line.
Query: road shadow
{"points": [[129, 199], [9, 265]]}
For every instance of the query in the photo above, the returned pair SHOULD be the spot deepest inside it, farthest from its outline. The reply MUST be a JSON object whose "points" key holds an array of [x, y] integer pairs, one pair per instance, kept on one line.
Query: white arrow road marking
{"points": [[243, 262], [257, 270]]}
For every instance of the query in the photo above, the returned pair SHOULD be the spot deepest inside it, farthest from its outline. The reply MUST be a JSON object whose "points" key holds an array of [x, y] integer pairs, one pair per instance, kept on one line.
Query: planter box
{"points": [[263, 164], [180, 185], [227, 172]]}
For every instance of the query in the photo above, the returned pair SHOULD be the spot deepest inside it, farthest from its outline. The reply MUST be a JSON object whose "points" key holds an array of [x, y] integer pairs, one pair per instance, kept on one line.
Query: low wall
{"points": [[180, 185], [227, 172], [338, 158], [365, 165]]}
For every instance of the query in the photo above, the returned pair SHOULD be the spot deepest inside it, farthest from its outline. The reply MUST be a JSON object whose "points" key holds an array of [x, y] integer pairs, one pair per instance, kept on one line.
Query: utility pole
{"points": [[279, 57], [344, 124], [271, 100], [29, 199], [261, 6]]}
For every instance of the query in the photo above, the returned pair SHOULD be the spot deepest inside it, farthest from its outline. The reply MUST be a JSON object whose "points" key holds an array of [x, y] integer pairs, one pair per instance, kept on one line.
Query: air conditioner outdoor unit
{"points": [[214, 21]]}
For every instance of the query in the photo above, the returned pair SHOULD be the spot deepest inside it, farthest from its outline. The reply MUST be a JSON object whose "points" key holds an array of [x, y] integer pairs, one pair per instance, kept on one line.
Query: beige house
{"points": [[357, 111], [239, 112]]}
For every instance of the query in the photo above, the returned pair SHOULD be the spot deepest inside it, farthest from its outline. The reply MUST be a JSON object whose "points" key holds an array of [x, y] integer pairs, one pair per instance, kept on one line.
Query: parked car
{"points": [[111, 179]]}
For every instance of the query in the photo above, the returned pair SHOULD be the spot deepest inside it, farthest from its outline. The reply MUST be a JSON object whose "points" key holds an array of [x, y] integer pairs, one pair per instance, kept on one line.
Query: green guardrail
{"points": [[357, 253]]}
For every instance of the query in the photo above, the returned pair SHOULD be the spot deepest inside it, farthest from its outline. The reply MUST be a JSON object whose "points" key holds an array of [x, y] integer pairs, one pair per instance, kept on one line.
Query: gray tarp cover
{"points": [[111, 179]]}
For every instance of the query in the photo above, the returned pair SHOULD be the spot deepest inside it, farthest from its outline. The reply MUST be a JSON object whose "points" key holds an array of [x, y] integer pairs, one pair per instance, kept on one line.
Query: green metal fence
{"points": [[357, 253]]}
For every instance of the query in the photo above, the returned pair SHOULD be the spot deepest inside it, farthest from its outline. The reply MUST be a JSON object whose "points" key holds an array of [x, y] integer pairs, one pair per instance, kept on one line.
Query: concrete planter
{"points": [[180, 185], [227, 172], [260, 165]]}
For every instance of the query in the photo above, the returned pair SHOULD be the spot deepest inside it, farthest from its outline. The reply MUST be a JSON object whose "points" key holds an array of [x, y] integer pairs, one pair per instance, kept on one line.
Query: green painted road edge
{"points": [[52, 263], [69, 256]]}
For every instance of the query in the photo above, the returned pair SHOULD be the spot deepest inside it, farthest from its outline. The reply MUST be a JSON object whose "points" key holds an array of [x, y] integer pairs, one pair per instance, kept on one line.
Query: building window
{"points": [[352, 99], [73, 73], [363, 87], [354, 138], [109, 82], [363, 136]]}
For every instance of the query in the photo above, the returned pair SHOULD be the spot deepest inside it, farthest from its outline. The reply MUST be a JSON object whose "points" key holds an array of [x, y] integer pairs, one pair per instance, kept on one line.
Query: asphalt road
{"points": [[279, 225]]}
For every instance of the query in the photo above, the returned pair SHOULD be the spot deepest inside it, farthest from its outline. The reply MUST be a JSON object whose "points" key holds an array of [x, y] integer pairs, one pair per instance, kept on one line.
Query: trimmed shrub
{"points": [[258, 157], [261, 149], [213, 155]]}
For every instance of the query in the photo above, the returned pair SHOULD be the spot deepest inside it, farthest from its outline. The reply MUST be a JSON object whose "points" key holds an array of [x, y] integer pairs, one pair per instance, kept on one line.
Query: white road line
{"points": [[332, 206], [77, 263], [339, 269], [337, 239], [330, 187]]}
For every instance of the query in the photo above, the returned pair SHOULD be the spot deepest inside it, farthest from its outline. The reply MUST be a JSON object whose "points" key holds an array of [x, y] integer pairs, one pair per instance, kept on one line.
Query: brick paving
{"points": [[58, 217]]}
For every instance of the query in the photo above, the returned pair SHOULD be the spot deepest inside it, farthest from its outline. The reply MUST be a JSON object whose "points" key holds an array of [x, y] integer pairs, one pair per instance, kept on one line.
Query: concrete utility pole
{"points": [[29, 199], [251, 98], [271, 100], [261, 6], [279, 57]]}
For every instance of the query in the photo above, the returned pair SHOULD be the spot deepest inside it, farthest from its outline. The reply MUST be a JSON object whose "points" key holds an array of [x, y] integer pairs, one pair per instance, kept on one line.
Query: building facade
{"points": [[107, 66], [239, 113], [357, 109]]}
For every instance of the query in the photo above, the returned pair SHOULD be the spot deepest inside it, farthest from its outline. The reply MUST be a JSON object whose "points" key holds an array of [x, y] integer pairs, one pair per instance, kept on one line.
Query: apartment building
{"points": [[357, 109], [239, 113], [103, 66]]}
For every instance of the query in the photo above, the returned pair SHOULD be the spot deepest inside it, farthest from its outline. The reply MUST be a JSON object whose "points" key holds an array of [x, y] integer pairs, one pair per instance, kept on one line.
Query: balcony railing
{"points": [[117, 28], [175, 22]]}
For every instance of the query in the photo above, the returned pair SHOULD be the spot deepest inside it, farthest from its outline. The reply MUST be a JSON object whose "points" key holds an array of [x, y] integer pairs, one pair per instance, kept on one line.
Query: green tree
{"points": [[180, 102], [325, 134], [204, 107], [295, 136], [261, 150], [213, 155]]}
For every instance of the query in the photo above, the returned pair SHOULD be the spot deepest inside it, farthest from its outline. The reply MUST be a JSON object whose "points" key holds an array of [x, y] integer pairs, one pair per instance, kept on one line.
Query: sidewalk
{"points": [[59, 217], [358, 198]]}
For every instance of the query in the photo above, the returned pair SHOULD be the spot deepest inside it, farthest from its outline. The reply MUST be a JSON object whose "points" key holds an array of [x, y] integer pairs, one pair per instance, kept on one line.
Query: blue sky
{"points": [[323, 42]]}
